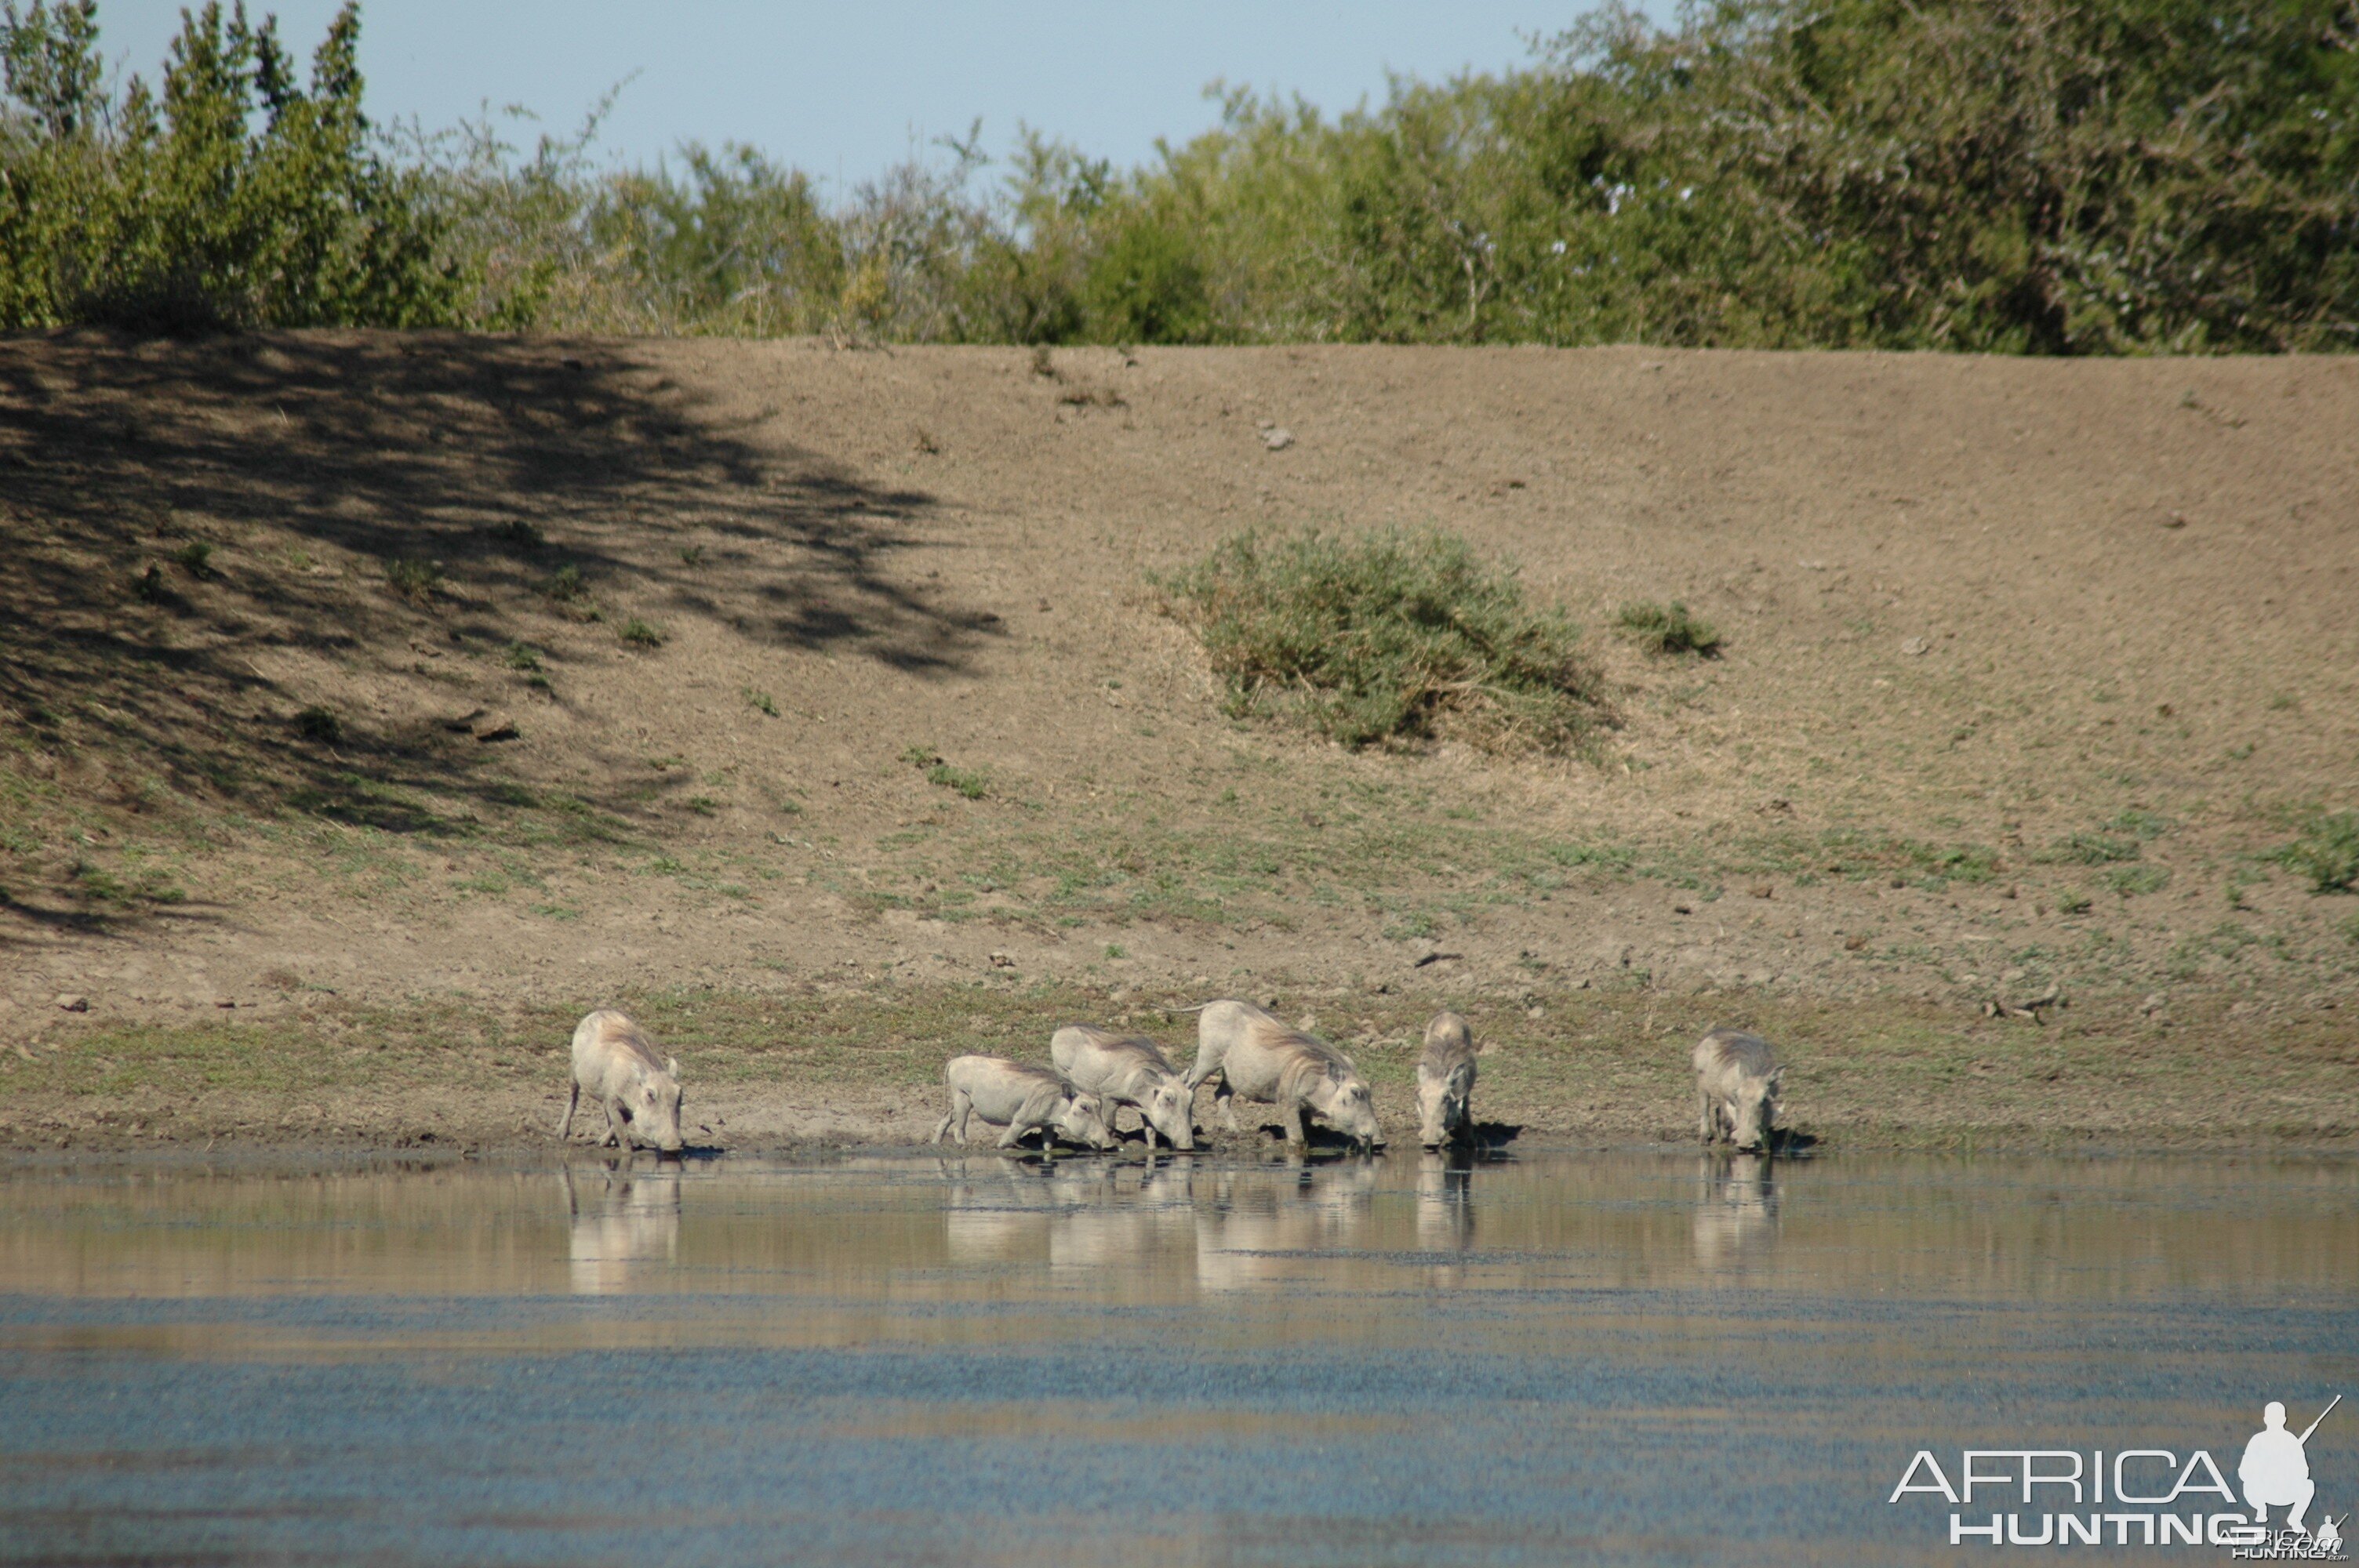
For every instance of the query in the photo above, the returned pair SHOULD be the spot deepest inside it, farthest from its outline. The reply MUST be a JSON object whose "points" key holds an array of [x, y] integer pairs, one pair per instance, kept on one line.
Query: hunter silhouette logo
{"points": [[2140, 1496], [2276, 1468]]}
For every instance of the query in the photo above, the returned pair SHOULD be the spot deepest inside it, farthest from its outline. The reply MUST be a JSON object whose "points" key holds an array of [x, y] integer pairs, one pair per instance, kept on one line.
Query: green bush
{"points": [[1667, 631], [1387, 636], [2009, 176], [230, 196], [2327, 852]]}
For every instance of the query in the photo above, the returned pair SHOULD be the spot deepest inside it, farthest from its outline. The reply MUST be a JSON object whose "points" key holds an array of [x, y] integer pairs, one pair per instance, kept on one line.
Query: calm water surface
{"points": [[1628, 1357]]}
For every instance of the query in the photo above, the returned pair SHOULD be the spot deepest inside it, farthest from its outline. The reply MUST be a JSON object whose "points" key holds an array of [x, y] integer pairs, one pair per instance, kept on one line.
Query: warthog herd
{"points": [[1253, 1054]]}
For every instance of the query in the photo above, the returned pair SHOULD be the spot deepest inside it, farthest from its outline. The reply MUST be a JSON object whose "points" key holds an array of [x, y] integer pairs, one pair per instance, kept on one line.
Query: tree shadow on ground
{"points": [[173, 511]]}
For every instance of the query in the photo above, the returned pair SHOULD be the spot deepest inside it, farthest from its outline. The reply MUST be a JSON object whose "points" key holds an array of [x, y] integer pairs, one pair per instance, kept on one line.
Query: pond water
{"points": [[1634, 1356]]}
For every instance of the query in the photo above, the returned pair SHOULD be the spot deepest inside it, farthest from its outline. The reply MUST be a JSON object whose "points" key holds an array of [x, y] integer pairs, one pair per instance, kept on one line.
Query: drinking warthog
{"points": [[1736, 1088], [1262, 1059], [1022, 1099], [1445, 1080], [1127, 1070], [617, 1063]]}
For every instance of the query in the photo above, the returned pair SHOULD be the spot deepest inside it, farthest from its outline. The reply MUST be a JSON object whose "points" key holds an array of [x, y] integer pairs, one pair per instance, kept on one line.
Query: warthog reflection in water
{"points": [[1737, 1211], [1261, 1223], [1445, 1210], [622, 1220]]}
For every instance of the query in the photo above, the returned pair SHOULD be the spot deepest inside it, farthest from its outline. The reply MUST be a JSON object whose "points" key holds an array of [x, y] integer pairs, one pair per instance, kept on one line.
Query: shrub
{"points": [[641, 634], [196, 558], [1667, 631], [2327, 852], [1387, 636], [523, 656], [1148, 286], [320, 724], [231, 198]]}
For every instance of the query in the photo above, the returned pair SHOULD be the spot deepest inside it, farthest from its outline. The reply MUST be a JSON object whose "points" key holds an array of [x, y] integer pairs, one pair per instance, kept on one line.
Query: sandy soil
{"points": [[2030, 667]]}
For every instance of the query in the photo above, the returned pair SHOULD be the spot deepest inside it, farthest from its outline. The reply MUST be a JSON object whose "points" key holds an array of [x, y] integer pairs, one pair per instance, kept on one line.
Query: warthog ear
{"points": [[1777, 1077], [671, 1065]]}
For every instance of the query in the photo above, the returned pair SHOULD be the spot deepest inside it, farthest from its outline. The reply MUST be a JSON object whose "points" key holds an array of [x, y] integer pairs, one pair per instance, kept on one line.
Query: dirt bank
{"points": [[354, 677]]}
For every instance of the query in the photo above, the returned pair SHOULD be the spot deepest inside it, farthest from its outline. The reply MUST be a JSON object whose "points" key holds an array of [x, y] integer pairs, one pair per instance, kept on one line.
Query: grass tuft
{"points": [[2327, 852], [1385, 635], [1671, 630], [412, 579], [641, 634]]}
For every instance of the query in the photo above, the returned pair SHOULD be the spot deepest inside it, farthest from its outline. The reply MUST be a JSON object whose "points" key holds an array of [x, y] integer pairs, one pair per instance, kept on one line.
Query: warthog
{"points": [[1127, 1070], [1022, 1099], [1262, 1059], [617, 1063], [1445, 1080], [1737, 1078]]}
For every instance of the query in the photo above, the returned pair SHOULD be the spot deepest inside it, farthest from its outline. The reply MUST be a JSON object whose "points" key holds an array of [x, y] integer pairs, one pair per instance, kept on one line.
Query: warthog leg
{"points": [[959, 1106], [1221, 1098], [572, 1099], [1294, 1133]]}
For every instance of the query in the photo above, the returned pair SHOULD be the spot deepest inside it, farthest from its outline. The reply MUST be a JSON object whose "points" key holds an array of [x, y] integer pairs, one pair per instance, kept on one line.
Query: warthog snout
{"points": [[1082, 1121], [1170, 1110]]}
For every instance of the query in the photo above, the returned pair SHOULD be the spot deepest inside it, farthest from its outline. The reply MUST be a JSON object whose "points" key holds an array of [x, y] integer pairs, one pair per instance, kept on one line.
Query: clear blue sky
{"points": [[842, 89]]}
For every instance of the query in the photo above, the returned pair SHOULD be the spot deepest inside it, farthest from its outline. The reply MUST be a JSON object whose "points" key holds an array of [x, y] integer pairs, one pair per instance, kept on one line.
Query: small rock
{"points": [[1915, 646], [70, 1001], [1683, 909], [492, 729], [459, 722], [224, 1001], [1278, 439], [1003, 960], [2154, 1004], [1535, 1012], [2176, 520], [1762, 890]]}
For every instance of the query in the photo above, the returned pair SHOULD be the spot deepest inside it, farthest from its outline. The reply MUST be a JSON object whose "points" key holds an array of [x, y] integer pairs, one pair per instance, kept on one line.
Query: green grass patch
{"points": [[1387, 636], [1668, 629], [2131, 880], [641, 633], [2327, 852], [2093, 849]]}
